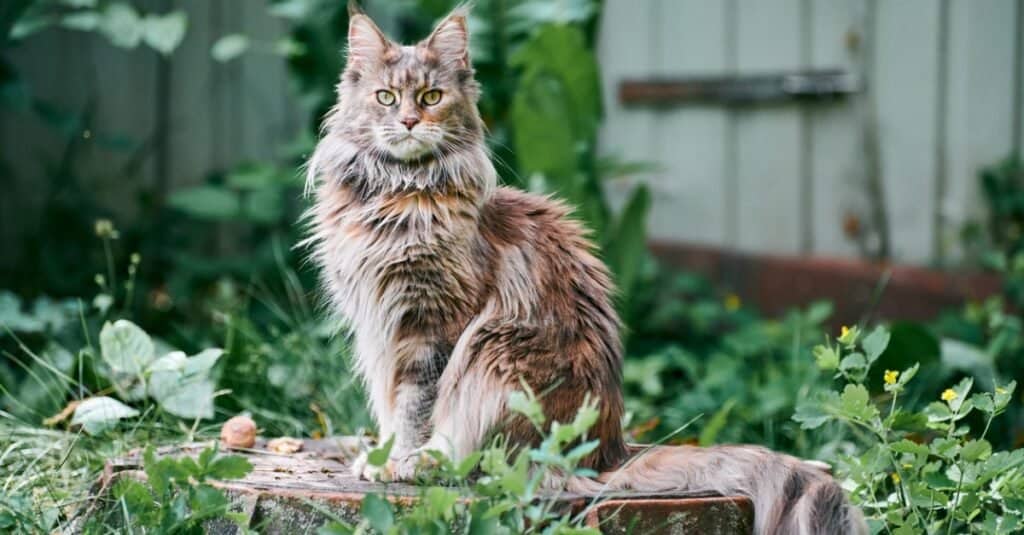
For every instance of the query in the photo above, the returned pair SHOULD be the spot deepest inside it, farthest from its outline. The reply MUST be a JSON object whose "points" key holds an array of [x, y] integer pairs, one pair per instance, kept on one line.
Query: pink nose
{"points": [[410, 122]]}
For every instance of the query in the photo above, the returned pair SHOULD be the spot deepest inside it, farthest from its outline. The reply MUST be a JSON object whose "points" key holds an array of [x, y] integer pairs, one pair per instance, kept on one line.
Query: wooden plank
{"points": [[905, 81], [190, 129], [625, 49], [768, 149], [689, 194], [263, 93], [981, 90], [836, 169]]}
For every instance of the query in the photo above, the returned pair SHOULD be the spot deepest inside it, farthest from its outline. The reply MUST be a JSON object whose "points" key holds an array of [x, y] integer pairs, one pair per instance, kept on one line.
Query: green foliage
{"points": [[919, 470], [497, 490], [176, 496]]}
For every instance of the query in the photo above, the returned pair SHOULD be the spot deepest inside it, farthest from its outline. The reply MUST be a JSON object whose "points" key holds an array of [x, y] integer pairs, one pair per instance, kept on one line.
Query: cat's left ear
{"points": [[450, 39]]}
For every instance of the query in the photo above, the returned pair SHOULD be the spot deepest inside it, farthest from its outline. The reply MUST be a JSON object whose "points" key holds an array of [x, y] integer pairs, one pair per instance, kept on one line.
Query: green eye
{"points": [[431, 97], [385, 97]]}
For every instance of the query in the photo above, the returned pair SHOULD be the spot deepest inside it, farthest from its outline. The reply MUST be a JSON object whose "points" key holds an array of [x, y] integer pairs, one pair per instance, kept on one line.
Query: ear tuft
{"points": [[354, 8], [366, 43], [450, 39]]}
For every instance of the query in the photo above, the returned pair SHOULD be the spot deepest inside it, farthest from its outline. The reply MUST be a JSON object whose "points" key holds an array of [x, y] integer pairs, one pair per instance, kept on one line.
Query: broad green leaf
{"points": [[626, 244], [379, 456], [875, 343], [193, 399], [378, 512], [100, 413], [207, 202], [164, 33], [229, 47], [826, 357], [229, 467], [125, 347], [122, 25], [976, 450], [855, 403], [83, 21]]}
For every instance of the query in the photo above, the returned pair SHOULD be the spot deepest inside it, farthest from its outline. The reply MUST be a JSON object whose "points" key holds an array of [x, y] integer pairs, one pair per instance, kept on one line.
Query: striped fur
{"points": [[456, 290]]}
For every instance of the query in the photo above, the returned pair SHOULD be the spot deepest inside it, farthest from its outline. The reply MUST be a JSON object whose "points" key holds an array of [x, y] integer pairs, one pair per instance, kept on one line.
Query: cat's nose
{"points": [[410, 122]]}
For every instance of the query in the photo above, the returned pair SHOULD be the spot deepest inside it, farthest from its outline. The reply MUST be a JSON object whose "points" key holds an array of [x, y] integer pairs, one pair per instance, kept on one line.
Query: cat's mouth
{"points": [[408, 147]]}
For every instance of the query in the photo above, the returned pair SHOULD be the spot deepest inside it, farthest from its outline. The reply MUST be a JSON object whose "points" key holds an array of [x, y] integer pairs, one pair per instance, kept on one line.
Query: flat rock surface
{"points": [[289, 493]]}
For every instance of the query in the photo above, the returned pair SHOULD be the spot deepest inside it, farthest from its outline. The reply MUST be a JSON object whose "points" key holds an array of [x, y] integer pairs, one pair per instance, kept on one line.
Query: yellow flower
{"points": [[891, 377], [895, 478], [732, 302], [1000, 390], [844, 332], [948, 394]]}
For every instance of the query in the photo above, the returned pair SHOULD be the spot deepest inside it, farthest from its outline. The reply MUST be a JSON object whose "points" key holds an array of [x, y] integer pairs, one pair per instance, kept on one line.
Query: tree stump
{"points": [[298, 492]]}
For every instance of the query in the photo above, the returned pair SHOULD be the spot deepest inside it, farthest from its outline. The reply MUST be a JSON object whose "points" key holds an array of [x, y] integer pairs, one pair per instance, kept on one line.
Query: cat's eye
{"points": [[431, 97], [385, 97]]}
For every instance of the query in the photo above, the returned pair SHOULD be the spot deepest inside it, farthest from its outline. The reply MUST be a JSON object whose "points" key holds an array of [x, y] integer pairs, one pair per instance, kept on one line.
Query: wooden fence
{"points": [[943, 78]]}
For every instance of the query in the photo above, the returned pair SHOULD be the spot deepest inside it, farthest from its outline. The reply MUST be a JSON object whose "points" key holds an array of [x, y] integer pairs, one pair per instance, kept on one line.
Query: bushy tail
{"points": [[790, 496]]}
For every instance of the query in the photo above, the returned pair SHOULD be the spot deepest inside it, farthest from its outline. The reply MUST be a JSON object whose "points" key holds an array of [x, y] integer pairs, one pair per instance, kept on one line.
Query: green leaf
{"points": [[909, 344], [83, 21], [378, 512], [626, 244], [192, 399], [229, 47], [906, 446], [528, 407], [121, 25], [976, 450], [336, 528], [164, 33], [855, 403], [379, 456], [100, 413], [813, 412], [229, 467], [207, 202], [875, 343], [125, 347], [826, 357], [853, 362]]}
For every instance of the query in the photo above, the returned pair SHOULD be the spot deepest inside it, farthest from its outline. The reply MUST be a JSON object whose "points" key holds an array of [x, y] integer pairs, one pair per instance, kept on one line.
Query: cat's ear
{"points": [[450, 39], [366, 43]]}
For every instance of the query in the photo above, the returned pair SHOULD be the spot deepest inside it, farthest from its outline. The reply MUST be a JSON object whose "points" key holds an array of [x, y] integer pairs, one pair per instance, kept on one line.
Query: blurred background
{"points": [[757, 172]]}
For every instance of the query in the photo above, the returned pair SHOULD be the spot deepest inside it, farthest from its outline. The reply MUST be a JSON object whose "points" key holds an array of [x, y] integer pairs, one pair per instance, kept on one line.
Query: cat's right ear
{"points": [[366, 43]]}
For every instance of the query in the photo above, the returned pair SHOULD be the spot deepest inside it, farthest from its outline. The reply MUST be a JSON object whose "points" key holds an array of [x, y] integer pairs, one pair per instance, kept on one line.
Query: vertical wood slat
{"points": [[689, 195], [981, 89], [768, 141], [190, 142], [625, 51], [835, 162], [905, 82]]}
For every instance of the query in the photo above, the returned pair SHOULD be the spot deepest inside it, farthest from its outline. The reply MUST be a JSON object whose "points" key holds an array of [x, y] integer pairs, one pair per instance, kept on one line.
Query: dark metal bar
{"points": [[803, 85]]}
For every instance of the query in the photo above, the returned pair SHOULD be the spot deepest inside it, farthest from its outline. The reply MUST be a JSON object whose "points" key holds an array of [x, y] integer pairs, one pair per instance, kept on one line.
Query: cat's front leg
{"points": [[414, 392]]}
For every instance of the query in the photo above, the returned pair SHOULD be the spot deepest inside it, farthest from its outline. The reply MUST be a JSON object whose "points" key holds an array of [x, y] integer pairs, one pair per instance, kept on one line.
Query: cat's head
{"points": [[409, 102]]}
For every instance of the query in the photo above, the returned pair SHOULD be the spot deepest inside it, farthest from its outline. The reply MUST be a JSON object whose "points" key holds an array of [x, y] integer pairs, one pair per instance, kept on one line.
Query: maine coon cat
{"points": [[456, 290]]}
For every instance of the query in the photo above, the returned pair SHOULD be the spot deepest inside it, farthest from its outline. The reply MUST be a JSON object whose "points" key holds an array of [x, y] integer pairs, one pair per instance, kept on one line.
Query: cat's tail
{"points": [[790, 496]]}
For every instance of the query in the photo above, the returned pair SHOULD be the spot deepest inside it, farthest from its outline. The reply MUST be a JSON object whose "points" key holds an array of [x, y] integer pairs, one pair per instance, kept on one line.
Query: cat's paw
{"points": [[407, 467]]}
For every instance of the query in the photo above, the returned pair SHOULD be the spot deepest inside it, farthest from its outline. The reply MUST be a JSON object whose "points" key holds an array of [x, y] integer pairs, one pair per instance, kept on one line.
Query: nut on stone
{"points": [[285, 445], [238, 432]]}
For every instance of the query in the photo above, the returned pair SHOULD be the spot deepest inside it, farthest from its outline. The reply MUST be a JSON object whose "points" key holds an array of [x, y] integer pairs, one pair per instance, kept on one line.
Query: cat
{"points": [[458, 290]]}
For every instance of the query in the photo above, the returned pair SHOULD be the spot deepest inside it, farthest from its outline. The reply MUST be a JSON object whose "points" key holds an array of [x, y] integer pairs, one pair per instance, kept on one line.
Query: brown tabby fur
{"points": [[457, 291]]}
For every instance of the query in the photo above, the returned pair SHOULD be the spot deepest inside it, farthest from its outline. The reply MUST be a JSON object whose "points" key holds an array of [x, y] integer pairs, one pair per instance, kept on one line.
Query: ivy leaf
{"points": [[100, 413], [126, 347]]}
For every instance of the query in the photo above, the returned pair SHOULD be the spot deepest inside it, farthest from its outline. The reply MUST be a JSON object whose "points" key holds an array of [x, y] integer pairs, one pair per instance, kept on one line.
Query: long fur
{"points": [[456, 290]]}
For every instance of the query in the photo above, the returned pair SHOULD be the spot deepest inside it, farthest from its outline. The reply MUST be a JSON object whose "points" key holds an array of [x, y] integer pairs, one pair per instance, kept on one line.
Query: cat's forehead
{"points": [[410, 67]]}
